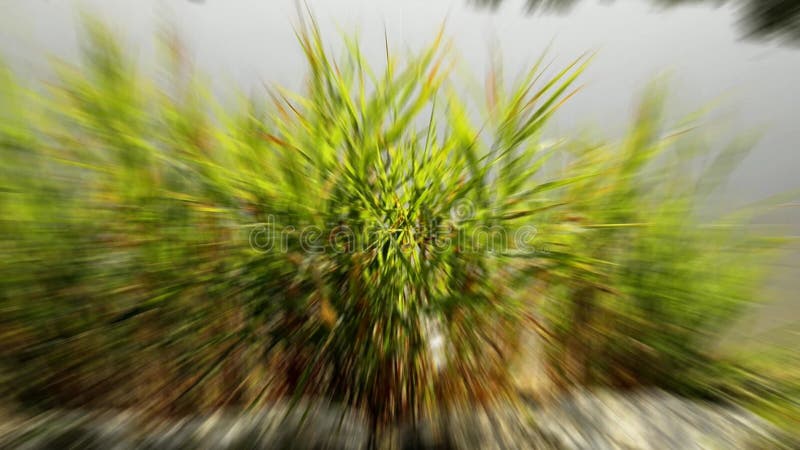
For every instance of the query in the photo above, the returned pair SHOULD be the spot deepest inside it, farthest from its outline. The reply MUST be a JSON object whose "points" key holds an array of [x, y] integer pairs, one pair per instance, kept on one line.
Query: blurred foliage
{"points": [[764, 19], [646, 282], [129, 274], [365, 240]]}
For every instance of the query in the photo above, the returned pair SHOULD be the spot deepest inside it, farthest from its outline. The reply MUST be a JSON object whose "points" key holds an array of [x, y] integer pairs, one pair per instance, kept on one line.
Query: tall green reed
{"points": [[647, 282], [353, 241], [374, 239]]}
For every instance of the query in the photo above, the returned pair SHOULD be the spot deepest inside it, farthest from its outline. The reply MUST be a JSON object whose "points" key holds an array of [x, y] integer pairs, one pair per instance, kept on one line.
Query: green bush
{"points": [[355, 241], [365, 240], [646, 284]]}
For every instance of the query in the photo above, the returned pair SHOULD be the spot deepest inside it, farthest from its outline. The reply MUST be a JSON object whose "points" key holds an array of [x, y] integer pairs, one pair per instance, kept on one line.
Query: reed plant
{"points": [[376, 239]]}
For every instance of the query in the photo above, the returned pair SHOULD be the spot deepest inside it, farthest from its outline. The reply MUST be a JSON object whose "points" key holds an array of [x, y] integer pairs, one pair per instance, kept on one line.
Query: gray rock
{"points": [[652, 419], [602, 419]]}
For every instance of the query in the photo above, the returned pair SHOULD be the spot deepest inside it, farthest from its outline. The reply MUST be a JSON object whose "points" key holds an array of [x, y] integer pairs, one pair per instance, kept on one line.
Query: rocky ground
{"points": [[582, 420]]}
